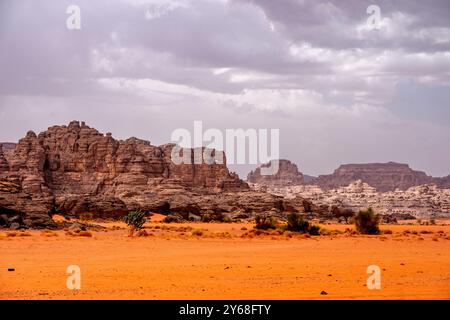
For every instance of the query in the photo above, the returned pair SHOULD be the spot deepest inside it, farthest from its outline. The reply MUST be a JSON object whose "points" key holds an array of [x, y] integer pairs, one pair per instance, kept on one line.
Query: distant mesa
{"points": [[443, 182], [392, 189], [383, 177]]}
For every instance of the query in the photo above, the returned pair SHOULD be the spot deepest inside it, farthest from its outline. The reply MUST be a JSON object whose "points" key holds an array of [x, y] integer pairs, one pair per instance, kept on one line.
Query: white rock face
{"points": [[423, 201]]}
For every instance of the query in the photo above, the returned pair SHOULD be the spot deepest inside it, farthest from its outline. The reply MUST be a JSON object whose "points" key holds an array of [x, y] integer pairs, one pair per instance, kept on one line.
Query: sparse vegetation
{"points": [[135, 221], [86, 216], [227, 219], [78, 233], [346, 214], [265, 222], [296, 223], [314, 230], [142, 233], [197, 232], [222, 235], [328, 232], [171, 218], [48, 233], [367, 222], [85, 234], [206, 218]]}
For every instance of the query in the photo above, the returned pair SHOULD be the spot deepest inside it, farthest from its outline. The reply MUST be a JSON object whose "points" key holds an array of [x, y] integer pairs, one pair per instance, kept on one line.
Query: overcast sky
{"points": [[339, 90]]}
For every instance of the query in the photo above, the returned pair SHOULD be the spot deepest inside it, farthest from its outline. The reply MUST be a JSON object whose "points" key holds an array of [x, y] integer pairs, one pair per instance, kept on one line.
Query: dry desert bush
{"points": [[297, 223], [48, 233], [367, 222], [221, 235], [265, 222], [197, 232], [79, 233], [143, 233]]}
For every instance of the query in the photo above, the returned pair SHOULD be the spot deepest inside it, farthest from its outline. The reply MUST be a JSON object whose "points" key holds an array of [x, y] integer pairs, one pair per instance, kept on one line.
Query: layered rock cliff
{"points": [[390, 188], [443, 182], [382, 176], [75, 169], [425, 201]]}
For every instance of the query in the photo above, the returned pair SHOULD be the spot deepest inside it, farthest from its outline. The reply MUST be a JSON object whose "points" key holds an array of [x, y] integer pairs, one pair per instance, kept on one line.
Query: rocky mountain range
{"points": [[425, 201], [383, 177], [389, 188], [75, 169]]}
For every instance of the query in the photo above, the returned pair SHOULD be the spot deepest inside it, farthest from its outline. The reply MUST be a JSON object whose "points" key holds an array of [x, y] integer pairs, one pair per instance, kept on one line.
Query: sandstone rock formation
{"points": [[443, 182], [425, 201], [287, 174], [382, 176], [390, 188], [75, 169], [4, 166]]}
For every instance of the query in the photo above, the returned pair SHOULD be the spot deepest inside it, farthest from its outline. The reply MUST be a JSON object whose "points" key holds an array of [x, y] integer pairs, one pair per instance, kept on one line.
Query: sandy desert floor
{"points": [[225, 261]]}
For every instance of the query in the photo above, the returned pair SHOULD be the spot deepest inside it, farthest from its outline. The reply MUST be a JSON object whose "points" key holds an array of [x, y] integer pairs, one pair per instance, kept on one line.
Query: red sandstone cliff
{"points": [[76, 169]]}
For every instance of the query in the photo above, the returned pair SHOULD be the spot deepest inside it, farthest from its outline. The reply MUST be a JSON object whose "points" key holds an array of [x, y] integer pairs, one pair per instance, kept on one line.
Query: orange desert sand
{"points": [[177, 261]]}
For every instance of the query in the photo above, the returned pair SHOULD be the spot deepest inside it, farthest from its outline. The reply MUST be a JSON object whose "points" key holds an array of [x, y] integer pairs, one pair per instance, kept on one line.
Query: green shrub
{"points": [[227, 219], [314, 230], [265, 222], [342, 213], [367, 222], [296, 223], [206, 218], [135, 220], [170, 219]]}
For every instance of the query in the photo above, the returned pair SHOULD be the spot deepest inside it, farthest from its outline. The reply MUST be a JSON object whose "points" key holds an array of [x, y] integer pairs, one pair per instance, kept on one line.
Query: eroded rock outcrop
{"points": [[287, 174], [382, 176], [75, 169], [392, 189], [425, 201], [4, 165]]}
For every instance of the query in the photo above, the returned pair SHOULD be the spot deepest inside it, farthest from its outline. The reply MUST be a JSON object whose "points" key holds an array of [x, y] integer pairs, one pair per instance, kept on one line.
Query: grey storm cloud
{"points": [[331, 23], [338, 91]]}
